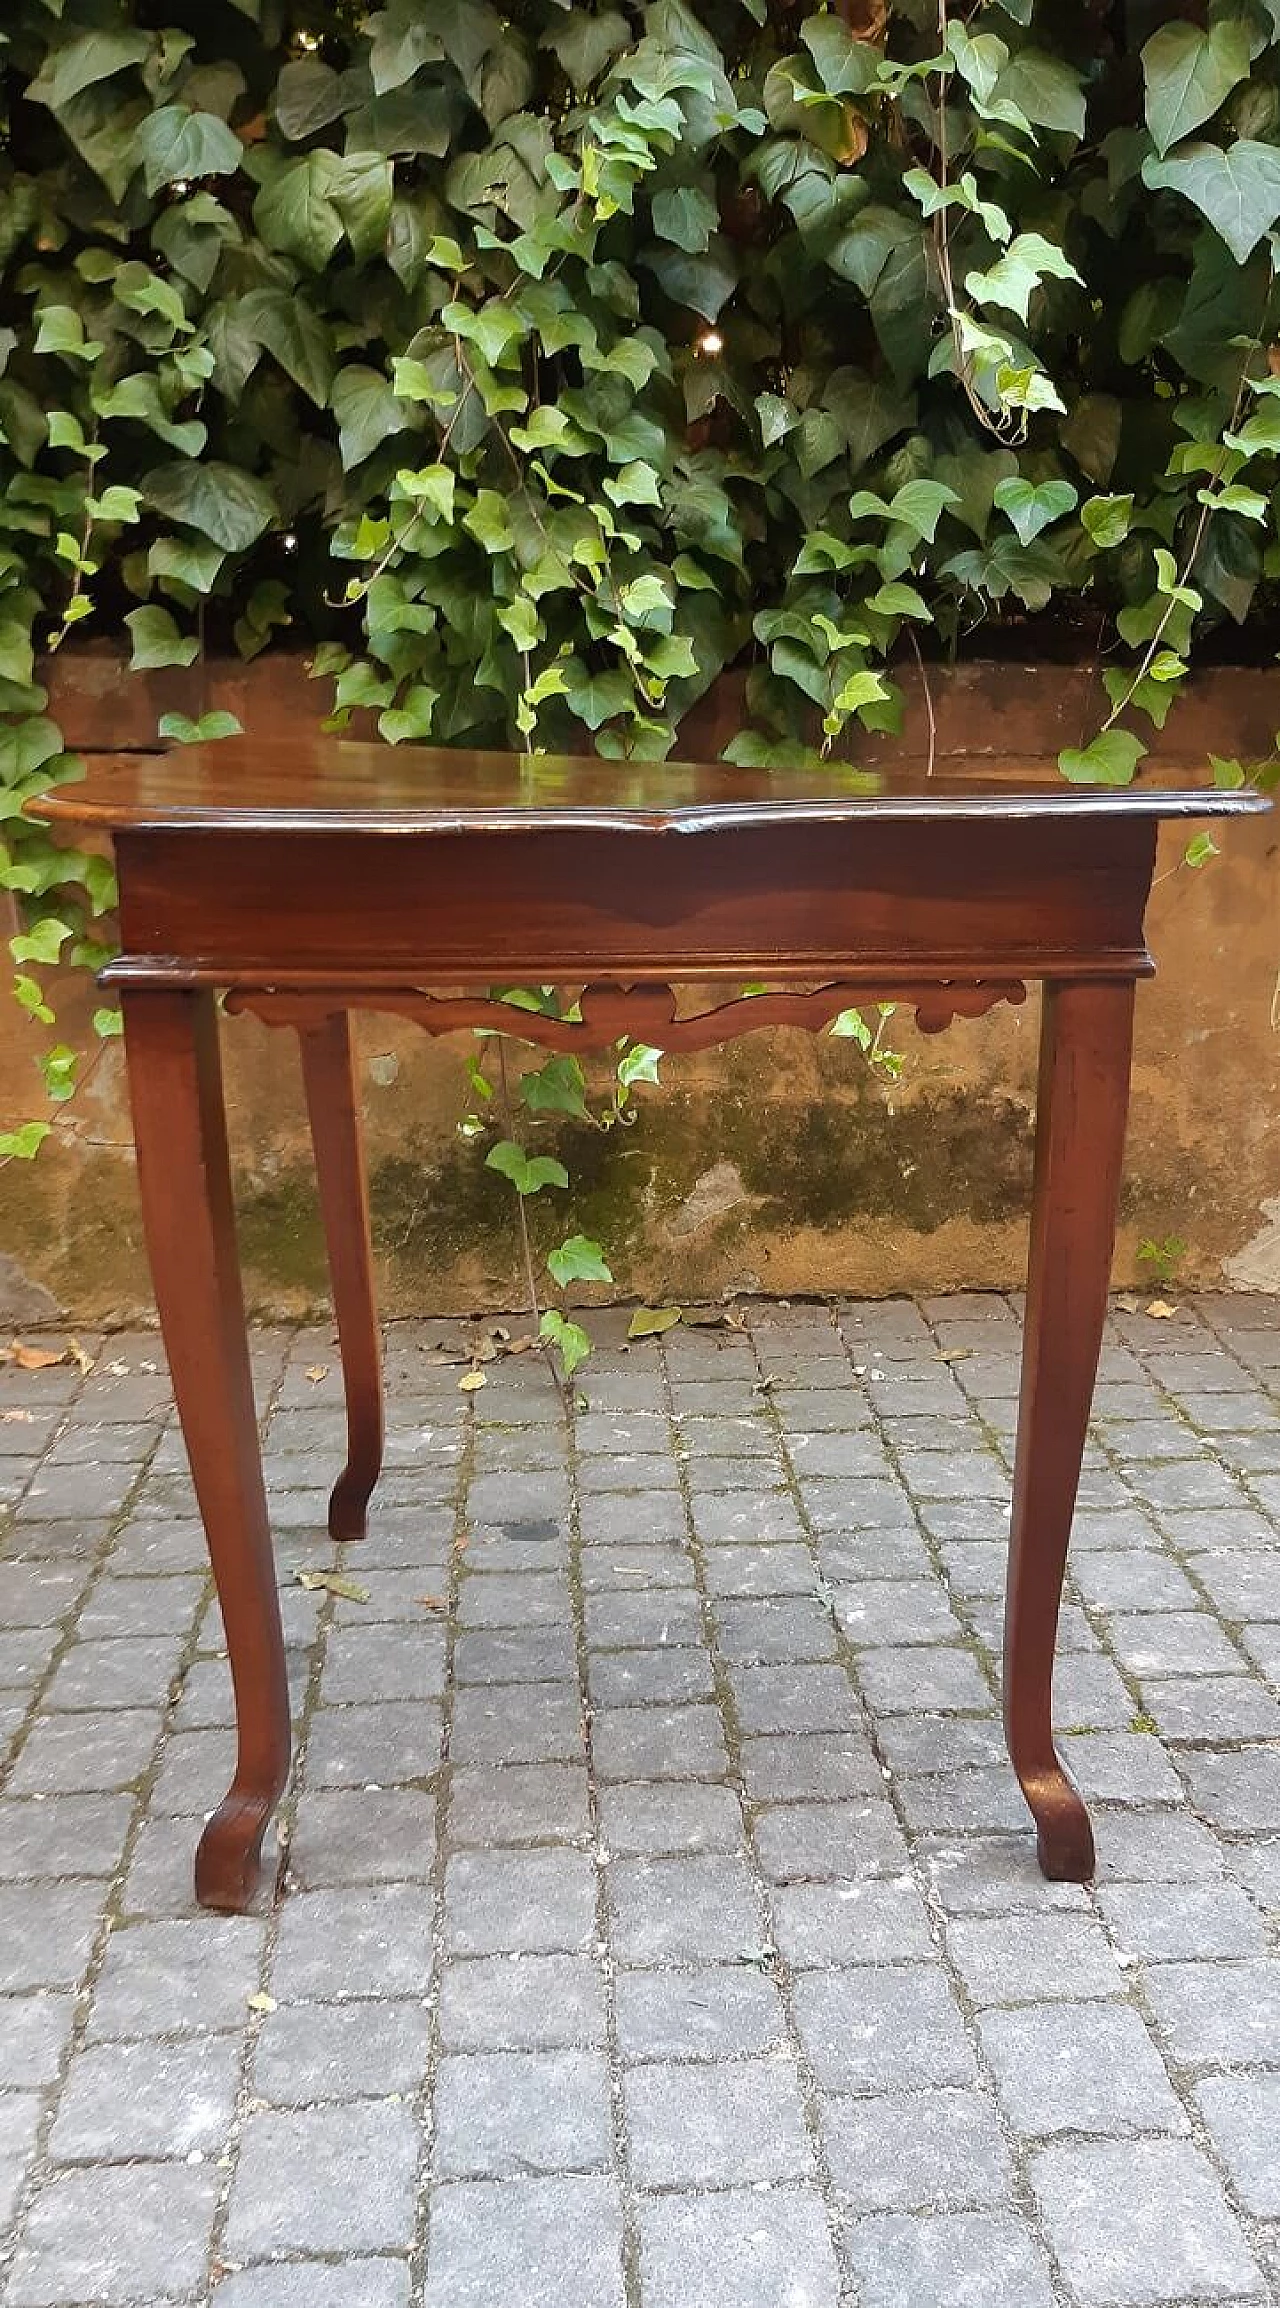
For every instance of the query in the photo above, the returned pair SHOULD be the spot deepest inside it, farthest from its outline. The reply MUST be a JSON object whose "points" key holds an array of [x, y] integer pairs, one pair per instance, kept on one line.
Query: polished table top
{"points": [[322, 783]]}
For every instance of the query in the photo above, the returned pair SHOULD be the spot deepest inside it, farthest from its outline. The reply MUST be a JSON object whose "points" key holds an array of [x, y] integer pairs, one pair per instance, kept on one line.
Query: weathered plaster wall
{"points": [[778, 1164]]}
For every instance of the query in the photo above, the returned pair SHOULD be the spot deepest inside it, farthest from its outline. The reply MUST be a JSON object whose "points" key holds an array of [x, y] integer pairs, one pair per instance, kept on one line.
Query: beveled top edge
{"points": [[325, 784]]}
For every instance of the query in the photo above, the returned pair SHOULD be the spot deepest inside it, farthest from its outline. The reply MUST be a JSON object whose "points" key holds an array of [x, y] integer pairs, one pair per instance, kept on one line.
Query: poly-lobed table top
{"points": [[318, 784]]}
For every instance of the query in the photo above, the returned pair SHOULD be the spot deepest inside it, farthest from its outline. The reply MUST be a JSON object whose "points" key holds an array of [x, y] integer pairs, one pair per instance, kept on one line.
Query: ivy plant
{"points": [[531, 368]]}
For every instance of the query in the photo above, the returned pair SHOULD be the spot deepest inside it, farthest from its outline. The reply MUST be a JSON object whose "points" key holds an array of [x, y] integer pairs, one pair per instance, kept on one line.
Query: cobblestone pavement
{"points": [[656, 1920]]}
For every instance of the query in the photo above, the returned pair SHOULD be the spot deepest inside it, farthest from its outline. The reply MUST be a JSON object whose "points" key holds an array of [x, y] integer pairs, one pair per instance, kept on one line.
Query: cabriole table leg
{"points": [[328, 1068], [1085, 1058], [175, 1083]]}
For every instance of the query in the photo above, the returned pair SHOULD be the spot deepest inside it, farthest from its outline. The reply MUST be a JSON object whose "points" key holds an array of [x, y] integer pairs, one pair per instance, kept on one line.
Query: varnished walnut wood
{"points": [[311, 881], [333, 1103], [646, 1013]]}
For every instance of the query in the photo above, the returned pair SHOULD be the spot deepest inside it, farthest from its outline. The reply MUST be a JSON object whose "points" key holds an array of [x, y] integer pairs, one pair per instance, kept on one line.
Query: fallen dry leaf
{"points": [[1161, 1311], [32, 1357], [955, 1354], [317, 1371], [433, 1602], [77, 1355], [262, 2002], [335, 1583], [17, 1418], [472, 1382], [117, 1369], [1127, 1303], [651, 1321]]}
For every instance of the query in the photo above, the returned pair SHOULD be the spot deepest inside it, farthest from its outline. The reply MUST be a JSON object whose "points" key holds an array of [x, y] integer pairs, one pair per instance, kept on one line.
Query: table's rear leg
{"points": [[175, 1082], [329, 1072], [1085, 1056]]}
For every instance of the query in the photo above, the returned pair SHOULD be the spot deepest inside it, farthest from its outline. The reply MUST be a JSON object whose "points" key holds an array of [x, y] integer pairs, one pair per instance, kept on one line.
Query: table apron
{"points": [[1027, 898]]}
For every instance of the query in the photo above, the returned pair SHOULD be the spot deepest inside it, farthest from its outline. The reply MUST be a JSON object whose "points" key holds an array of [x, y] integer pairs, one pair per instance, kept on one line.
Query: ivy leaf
{"points": [[651, 1321], [1237, 190], [157, 641], [528, 1173], [83, 61], [208, 730], [309, 94], [176, 143], [225, 504], [1046, 90], [687, 216], [294, 211], [1108, 519], [368, 412], [846, 66], [568, 1338], [23, 1144], [412, 718], [1013, 279], [596, 697], [585, 44], [1032, 508], [293, 333], [1189, 75], [556, 1088], [578, 1260], [1112, 759]]}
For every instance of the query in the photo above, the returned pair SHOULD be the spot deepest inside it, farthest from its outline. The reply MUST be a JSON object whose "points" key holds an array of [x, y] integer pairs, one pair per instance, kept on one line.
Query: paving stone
{"points": [[1174, 1643], [525, 2242], [1213, 1707], [1242, 2115], [643, 1621], [357, 2283], [47, 1931], [1218, 2014], [726, 2250], [115, 2234], [335, 2179], [517, 1723], [676, 1677], [659, 1743], [842, 1923], [521, 2114], [1143, 2221], [658, 1819], [47, 1837], [519, 1902], [764, 1570], [719, 2011], [375, 1941], [386, 1746], [715, 2126], [349, 1835], [1018, 1959], [985, 2259], [126, 1673], [881, 2030], [916, 2151], [166, 1978], [387, 1662], [779, 1765], [34, 2031], [1171, 1923], [315, 2052], [794, 1699], [1122, 1767], [819, 1842], [933, 1676], [128, 2100], [994, 1875], [521, 2003], [774, 1629], [519, 1803], [700, 1910], [1236, 1791], [1079, 2067]]}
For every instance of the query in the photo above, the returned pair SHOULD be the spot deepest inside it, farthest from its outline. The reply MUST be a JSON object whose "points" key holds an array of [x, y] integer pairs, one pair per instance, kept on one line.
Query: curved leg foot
{"points": [[1086, 1043], [328, 1070], [1064, 1835], [229, 1852]]}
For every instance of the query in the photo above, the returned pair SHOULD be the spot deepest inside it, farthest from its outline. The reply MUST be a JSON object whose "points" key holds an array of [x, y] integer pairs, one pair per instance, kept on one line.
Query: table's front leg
{"points": [[1085, 1058], [329, 1073], [175, 1083]]}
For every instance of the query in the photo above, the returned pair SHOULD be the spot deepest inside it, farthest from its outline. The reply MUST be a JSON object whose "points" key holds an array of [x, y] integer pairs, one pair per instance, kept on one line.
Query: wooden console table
{"points": [[341, 876]]}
